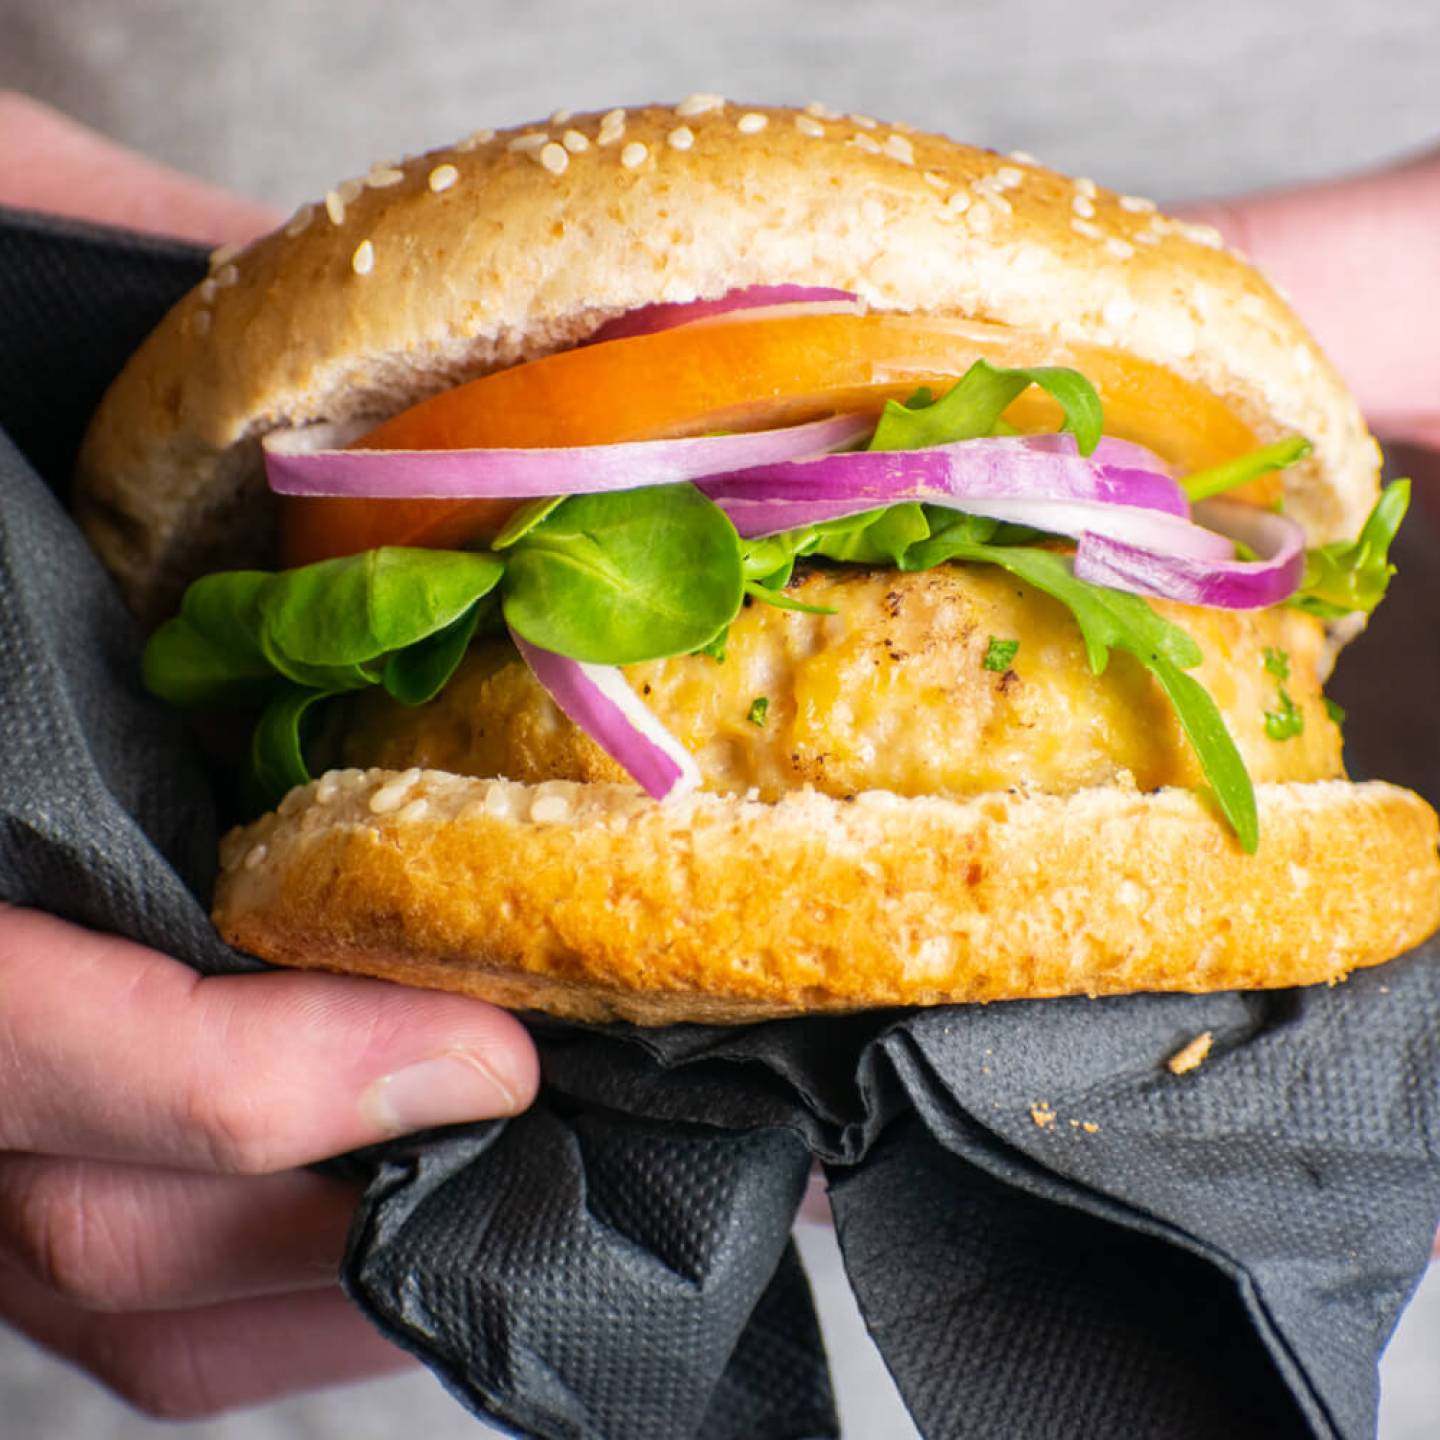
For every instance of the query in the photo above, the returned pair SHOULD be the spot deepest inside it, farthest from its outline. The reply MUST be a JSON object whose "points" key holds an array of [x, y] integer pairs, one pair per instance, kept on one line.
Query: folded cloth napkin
{"points": [[1048, 1232]]}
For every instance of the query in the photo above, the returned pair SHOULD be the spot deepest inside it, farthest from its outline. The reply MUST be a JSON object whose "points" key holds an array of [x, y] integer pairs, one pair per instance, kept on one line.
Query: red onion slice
{"points": [[1226, 584], [599, 699], [1043, 475], [306, 462], [649, 319]]}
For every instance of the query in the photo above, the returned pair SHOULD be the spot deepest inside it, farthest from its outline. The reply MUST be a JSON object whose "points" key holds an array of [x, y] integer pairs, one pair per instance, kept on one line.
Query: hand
{"points": [[54, 164], [154, 1228], [1360, 260]]}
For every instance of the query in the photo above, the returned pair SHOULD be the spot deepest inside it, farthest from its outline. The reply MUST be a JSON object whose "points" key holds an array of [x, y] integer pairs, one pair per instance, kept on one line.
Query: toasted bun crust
{"points": [[506, 247], [591, 902]]}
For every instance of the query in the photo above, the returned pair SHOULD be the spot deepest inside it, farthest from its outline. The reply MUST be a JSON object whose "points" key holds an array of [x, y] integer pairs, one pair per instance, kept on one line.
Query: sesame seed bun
{"points": [[514, 244], [591, 902], [587, 899]]}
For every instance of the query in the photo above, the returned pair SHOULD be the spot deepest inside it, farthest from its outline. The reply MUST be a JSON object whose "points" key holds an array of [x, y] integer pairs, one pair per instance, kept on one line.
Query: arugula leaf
{"points": [[1350, 575], [1113, 619], [972, 408], [1206, 484], [277, 748], [767, 595], [618, 578]]}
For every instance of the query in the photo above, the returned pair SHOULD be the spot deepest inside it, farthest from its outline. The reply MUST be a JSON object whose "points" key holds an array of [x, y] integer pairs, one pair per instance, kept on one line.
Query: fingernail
{"points": [[444, 1091]]}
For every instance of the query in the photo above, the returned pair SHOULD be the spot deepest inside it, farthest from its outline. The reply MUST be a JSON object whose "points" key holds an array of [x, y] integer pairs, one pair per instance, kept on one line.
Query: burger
{"points": [[705, 562]]}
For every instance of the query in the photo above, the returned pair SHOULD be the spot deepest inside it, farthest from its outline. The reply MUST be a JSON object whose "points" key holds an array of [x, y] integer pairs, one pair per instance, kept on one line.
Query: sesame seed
{"points": [[381, 176], [872, 211], [550, 808], [1118, 311], [959, 202], [362, 262], [633, 155], [350, 190], [200, 323], [334, 207], [1087, 228], [226, 275], [1120, 249], [698, 104], [393, 795], [1146, 237], [865, 122], [1007, 177], [865, 143], [1024, 157], [1083, 206], [327, 790], [255, 857], [899, 148], [986, 191], [222, 255], [938, 181], [300, 220], [1304, 360], [1136, 204], [1085, 185], [980, 219], [555, 158], [808, 125], [821, 110], [559, 117], [612, 127], [474, 140], [1206, 235], [682, 137], [415, 810], [531, 140], [206, 291], [574, 142], [442, 177], [752, 123]]}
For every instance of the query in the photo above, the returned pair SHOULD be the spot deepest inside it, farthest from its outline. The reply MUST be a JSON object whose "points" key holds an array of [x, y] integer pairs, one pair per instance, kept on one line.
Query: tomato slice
{"points": [[740, 372]]}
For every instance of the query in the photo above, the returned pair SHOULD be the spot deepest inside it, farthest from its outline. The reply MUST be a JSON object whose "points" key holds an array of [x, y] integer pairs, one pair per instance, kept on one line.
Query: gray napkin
{"points": [[1220, 1252]]}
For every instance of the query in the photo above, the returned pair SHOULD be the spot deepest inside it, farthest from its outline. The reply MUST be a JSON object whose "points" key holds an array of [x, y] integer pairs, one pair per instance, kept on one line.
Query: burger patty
{"points": [[893, 692]]}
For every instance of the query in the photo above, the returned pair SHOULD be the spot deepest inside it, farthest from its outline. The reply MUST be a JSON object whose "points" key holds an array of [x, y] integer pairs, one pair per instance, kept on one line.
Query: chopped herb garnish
{"points": [[759, 708], [1287, 721], [1277, 662], [999, 654], [1334, 710]]}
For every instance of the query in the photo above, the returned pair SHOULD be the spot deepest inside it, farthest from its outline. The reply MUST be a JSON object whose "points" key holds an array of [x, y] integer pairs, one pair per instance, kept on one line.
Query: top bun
{"points": [[513, 244]]}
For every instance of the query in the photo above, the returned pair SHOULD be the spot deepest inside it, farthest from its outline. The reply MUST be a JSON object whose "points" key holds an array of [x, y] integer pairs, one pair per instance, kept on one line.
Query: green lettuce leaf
{"points": [[972, 408], [618, 578]]}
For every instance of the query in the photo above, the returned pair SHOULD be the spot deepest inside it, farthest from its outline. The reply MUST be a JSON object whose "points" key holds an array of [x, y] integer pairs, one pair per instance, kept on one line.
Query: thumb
{"points": [[112, 1051]]}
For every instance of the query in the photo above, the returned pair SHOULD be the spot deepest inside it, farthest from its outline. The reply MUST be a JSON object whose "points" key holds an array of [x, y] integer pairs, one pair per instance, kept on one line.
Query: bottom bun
{"points": [[595, 903]]}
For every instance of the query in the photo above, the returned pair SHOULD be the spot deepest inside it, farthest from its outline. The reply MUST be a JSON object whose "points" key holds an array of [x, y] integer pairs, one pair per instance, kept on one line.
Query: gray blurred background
{"points": [[277, 99]]}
